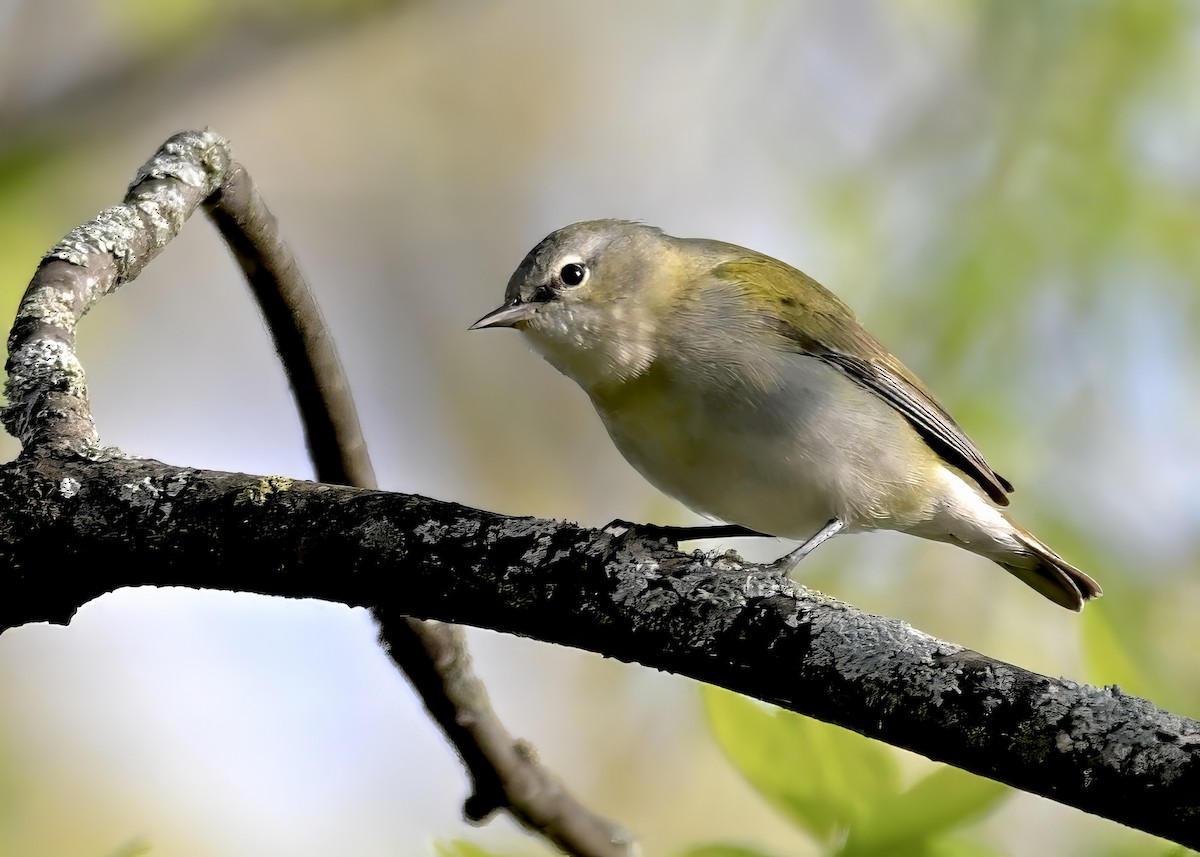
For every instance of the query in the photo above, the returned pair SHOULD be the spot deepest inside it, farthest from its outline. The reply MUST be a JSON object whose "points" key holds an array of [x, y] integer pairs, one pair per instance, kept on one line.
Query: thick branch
{"points": [[714, 619]]}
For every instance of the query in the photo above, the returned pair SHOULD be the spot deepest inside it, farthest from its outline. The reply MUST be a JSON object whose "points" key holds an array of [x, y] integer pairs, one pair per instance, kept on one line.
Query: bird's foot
{"points": [[784, 565], [675, 535]]}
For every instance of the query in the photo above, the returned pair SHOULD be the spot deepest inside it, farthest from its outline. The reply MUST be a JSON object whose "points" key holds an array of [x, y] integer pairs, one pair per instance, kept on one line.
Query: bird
{"points": [[743, 388]]}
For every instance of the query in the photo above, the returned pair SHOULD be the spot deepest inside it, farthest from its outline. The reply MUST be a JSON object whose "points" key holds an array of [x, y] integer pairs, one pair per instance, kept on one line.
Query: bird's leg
{"points": [[675, 535], [788, 561]]}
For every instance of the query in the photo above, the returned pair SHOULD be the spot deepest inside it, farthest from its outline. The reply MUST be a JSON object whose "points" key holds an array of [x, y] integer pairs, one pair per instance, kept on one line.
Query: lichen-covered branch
{"points": [[46, 390], [133, 522], [50, 414]]}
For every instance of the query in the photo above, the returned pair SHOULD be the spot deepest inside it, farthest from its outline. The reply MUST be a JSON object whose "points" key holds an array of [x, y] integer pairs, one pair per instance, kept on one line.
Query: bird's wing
{"points": [[816, 323], [897, 386]]}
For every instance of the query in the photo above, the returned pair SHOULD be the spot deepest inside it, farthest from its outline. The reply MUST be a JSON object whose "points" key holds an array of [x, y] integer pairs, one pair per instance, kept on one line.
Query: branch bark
{"points": [[129, 522], [51, 415]]}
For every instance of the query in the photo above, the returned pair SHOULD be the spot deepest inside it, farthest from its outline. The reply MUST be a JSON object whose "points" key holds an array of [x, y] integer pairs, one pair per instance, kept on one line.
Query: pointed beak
{"points": [[512, 314]]}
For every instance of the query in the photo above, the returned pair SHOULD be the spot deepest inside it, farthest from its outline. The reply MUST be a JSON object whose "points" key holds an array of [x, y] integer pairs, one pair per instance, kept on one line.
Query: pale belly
{"points": [[784, 462]]}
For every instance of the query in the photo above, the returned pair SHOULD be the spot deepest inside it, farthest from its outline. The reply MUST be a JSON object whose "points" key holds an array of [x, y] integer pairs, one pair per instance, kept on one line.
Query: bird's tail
{"points": [[1038, 566]]}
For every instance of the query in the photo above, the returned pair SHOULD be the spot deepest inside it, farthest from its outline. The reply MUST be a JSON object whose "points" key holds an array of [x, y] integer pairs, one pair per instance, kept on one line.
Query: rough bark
{"points": [[70, 530]]}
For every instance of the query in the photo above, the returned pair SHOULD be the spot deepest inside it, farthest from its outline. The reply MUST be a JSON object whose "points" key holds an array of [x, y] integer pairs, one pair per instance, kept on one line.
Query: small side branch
{"points": [[505, 772], [302, 339]]}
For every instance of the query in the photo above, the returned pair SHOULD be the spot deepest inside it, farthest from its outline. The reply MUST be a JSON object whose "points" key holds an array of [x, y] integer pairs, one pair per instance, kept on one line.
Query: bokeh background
{"points": [[1007, 192]]}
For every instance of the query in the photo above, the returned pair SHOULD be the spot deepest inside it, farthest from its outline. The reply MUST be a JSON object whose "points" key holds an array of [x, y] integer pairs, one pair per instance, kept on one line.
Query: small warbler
{"points": [[743, 388]]}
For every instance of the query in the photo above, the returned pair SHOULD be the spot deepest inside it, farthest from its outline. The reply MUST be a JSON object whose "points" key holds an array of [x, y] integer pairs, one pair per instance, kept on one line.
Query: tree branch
{"points": [[50, 414], [137, 522], [504, 772]]}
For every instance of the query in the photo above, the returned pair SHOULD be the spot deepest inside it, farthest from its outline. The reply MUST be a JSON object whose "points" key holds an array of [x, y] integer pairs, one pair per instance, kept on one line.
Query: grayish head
{"points": [[579, 296]]}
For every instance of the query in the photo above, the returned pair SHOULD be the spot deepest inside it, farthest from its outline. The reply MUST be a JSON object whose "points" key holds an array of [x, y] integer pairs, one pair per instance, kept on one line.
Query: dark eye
{"points": [[572, 274]]}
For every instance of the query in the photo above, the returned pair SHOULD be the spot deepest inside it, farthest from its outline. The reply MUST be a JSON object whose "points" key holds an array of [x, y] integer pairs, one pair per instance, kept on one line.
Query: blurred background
{"points": [[1008, 193]]}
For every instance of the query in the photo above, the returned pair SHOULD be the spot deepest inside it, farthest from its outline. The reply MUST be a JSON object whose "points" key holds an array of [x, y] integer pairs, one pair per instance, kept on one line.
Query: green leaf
{"points": [[718, 849], [1177, 851], [824, 778], [133, 848], [461, 848], [953, 847], [942, 801]]}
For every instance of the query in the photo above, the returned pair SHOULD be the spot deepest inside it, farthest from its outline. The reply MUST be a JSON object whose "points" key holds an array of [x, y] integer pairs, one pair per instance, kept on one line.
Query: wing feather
{"points": [[816, 323], [930, 420]]}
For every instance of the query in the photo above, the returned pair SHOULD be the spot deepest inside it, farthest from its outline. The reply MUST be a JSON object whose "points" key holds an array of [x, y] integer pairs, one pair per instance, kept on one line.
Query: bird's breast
{"points": [[782, 458]]}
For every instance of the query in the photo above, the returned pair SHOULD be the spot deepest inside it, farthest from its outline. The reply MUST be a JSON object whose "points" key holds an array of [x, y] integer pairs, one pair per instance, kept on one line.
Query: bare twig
{"points": [[50, 414], [504, 772], [304, 343], [715, 619]]}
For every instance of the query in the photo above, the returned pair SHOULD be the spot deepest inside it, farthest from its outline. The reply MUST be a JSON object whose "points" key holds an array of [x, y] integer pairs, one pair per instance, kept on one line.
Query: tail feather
{"points": [[1051, 575]]}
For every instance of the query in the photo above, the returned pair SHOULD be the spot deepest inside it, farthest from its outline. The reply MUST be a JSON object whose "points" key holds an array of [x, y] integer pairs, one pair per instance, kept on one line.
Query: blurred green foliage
{"points": [[186, 21], [27, 218], [840, 789], [460, 848], [845, 790], [134, 848], [722, 851], [1066, 184], [825, 779]]}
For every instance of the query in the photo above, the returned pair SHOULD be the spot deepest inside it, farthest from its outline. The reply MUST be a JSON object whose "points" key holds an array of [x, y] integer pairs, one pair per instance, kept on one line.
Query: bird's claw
{"points": [[654, 532], [675, 535]]}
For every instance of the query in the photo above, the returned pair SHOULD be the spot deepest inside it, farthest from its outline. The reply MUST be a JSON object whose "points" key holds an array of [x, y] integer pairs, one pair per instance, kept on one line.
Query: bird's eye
{"points": [[573, 274]]}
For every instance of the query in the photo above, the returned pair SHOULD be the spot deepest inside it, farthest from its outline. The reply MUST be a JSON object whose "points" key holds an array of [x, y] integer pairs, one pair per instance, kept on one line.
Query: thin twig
{"points": [[435, 657], [302, 339]]}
